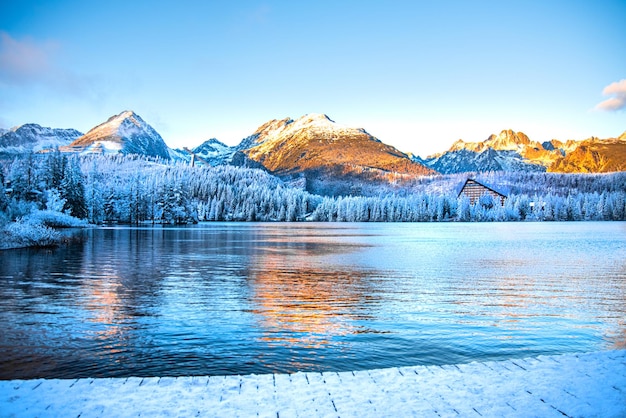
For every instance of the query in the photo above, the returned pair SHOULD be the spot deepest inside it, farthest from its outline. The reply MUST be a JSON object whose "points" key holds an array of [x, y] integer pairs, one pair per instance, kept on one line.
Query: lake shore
{"points": [[571, 385]]}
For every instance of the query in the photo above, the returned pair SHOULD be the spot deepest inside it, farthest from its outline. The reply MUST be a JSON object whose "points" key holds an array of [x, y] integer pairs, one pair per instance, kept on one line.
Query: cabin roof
{"points": [[480, 184]]}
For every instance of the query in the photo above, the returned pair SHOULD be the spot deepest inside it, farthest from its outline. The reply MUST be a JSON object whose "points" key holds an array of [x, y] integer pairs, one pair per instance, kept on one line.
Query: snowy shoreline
{"points": [[40, 229], [571, 385]]}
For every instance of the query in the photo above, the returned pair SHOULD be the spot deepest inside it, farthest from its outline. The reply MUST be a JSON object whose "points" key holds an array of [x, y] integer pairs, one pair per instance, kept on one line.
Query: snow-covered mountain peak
{"points": [[514, 151], [507, 140], [213, 141], [124, 121], [124, 115], [314, 142], [320, 121], [317, 125], [210, 146], [128, 114], [211, 152], [458, 145], [315, 118], [321, 124], [126, 132]]}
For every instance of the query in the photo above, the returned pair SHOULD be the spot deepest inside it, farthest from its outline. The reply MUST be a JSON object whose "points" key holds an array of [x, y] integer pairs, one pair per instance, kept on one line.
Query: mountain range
{"points": [[514, 151], [316, 148]]}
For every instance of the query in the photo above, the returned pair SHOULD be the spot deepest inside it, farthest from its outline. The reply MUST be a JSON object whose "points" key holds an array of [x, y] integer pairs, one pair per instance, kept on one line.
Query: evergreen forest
{"points": [[56, 189]]}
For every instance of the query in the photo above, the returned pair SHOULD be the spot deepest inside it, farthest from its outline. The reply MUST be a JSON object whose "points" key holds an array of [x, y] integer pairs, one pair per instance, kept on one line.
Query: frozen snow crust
{"points": [[573, 385]]}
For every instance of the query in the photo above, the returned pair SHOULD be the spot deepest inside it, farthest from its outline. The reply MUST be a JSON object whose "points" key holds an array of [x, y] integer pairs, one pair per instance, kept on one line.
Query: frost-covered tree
{"points": [[54, 201], [463, 212], [4, 200], [54, 169], [23, 178], [73, 190], [94, 196], [133, 189]]}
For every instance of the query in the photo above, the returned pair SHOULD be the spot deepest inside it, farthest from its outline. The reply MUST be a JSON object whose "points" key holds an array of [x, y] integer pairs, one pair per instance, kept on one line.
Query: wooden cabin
{"points": [[474, 190]]}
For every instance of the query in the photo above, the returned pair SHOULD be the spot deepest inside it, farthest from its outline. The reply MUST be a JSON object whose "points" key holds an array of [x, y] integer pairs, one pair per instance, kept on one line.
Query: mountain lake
{"points": [[241, 298]]}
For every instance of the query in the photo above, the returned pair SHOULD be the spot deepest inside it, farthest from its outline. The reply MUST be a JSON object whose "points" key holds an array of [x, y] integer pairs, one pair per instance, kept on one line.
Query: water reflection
{"points": [[257, 298], [310, 308], [300, 298]]}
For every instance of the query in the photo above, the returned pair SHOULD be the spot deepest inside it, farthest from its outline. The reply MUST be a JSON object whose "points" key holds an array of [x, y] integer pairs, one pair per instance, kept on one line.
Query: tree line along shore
{"points": [[40, 193]]}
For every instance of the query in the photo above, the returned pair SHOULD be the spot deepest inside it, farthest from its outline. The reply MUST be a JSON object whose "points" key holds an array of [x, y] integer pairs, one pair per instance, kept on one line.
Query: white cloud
{"points": [[22, 62], [618, 101], [26, 62]]}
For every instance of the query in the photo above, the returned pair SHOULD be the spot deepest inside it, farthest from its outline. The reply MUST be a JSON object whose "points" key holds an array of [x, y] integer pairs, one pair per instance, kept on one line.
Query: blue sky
{"points": [[416, 74]]}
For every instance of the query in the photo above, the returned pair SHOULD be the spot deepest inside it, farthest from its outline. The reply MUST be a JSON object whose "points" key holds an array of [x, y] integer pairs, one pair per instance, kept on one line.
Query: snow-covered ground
{"points": [[37, 229], [575, 385]]}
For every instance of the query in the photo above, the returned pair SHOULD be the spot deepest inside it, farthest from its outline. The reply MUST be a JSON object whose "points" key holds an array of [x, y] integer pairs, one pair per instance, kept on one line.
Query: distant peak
{"points": [[127, 114], [510, 133], [25, 126], [212, 142], [460, 144], [507, 132], [507, 138]]}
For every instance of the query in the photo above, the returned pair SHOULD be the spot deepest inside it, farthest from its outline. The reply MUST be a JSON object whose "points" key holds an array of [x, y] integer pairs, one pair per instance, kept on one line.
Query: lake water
{"points": [[238, 298]]}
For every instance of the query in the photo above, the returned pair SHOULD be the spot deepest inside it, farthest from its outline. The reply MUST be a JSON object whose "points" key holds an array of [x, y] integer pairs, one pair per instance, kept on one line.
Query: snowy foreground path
{"points": [[577, 385]]}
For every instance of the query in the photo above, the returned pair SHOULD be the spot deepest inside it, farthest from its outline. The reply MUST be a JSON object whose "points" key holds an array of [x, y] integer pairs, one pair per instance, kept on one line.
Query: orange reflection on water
{"points": [[101, 298], [299, 303]]}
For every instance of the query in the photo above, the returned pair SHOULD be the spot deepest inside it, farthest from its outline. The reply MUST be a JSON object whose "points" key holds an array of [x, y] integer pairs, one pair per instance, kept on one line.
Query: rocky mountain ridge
{"points": [[316, 145], [315, 142], [514, 151], [593, 155], [32, 137]]}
